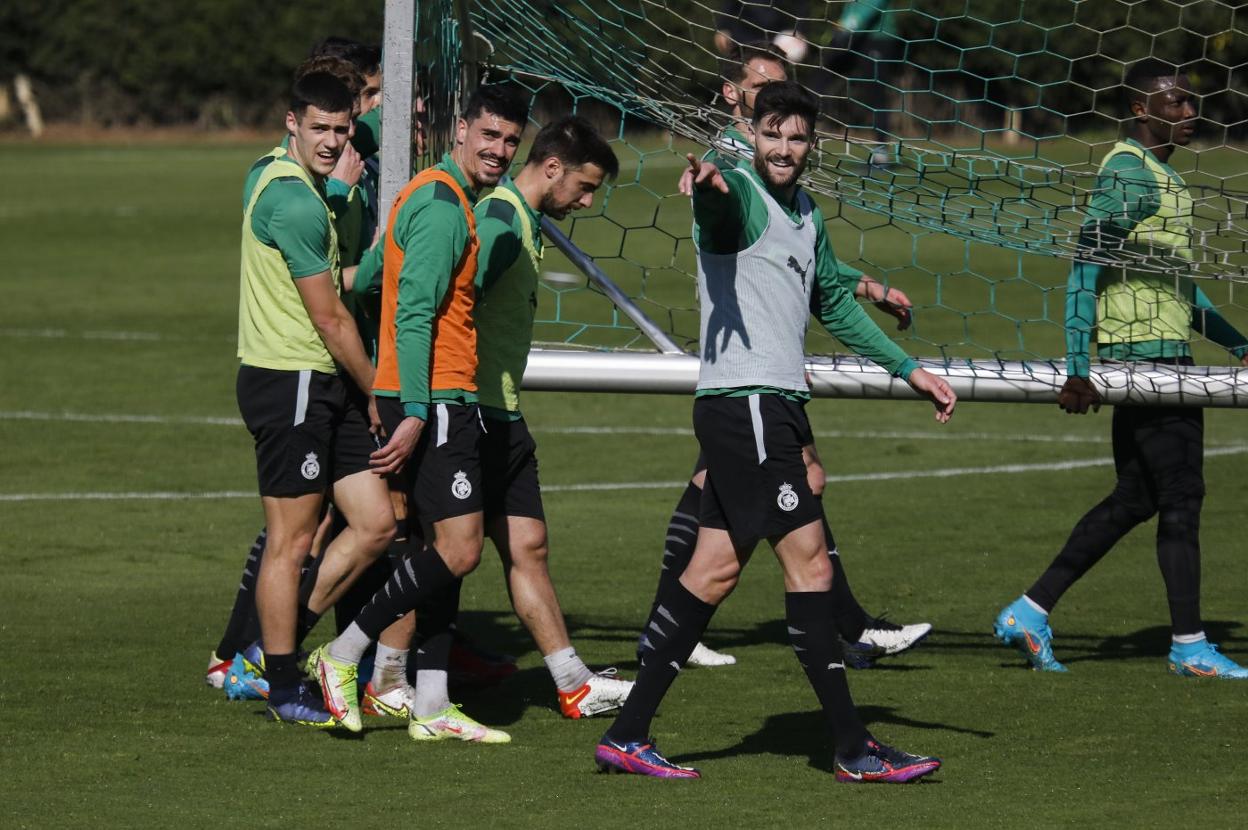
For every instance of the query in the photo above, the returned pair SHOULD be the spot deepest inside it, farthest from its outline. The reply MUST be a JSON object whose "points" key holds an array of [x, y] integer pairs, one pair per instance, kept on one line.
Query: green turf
{"points": [[108, 609]]}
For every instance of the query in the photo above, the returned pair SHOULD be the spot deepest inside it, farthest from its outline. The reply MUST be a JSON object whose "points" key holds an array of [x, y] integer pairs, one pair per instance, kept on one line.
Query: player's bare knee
{"points": [[460, 555], [529, 551]]}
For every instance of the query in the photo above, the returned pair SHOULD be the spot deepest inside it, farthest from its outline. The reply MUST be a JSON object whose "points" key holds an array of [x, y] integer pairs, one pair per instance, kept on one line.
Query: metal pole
{"points": [[622, 301], [396, 116], [853, 377]]}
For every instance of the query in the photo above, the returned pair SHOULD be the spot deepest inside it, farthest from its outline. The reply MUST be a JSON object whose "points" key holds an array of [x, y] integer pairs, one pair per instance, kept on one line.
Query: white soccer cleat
{"points": [[451, 724], [398, 701], [882, 638], [706, 658], [217, 670], [337, 682], [602, 693]]}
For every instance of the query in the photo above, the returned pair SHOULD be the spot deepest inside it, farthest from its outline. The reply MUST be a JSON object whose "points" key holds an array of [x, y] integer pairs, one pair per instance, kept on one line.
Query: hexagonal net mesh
{"points": [[960, 152]]}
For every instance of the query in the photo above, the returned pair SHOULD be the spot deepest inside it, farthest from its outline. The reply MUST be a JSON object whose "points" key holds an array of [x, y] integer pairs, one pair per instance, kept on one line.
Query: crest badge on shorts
{"points": [[311, 468], [786, 499], [461, 487]]}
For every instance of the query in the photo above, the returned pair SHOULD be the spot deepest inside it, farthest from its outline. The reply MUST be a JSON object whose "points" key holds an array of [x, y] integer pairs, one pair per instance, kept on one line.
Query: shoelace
{"points": [[884, 624]]}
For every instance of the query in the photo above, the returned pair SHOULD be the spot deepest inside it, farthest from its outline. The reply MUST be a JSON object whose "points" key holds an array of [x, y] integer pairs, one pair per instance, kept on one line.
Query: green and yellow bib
{"points": [[504, 316], [1135, 306], [274, 329]]}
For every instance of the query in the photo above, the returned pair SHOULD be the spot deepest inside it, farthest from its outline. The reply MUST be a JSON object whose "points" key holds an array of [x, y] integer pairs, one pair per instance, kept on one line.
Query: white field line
{"points": [[947, 472], [143, 336], [870, 435]]}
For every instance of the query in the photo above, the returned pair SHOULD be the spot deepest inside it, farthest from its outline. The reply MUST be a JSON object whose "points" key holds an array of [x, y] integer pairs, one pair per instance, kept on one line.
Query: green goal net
{"points": [[957, 154]]}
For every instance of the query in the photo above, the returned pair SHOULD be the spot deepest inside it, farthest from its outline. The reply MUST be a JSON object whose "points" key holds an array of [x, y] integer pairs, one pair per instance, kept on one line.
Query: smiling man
{"points": [[311, 428], [1141, 212], [764, 264], [568, 163], [427, 395]]}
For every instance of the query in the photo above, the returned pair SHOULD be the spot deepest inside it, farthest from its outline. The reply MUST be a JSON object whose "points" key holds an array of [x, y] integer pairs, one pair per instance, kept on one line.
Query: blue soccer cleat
{"points": [[245, 679], [1026, 629], [881, 764], [1206, 661], [638, 758], [304, 708]]}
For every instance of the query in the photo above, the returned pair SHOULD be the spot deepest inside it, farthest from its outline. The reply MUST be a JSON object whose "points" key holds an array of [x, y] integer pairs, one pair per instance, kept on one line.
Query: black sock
{"points": [[671, 632], [678, 544], [851, 620], [818, 647], [415, 580], [304, 623], [282, 673], [358, 593], [238, 630], [435, 632]]}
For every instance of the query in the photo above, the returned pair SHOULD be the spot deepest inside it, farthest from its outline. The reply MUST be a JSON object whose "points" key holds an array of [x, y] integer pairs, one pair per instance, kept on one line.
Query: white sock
{"points": [[389, 668], [568, 671], [1188, 639], [350, 645], [431, 693], [1035, 605]]}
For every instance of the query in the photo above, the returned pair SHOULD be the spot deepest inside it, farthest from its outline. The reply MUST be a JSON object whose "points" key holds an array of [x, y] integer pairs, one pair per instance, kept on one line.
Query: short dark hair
{"points": [[1142, 75], [365, 57], [575, 142], [508, 100], [343, 70], [321, 90], [734, 68], [779, 100]]}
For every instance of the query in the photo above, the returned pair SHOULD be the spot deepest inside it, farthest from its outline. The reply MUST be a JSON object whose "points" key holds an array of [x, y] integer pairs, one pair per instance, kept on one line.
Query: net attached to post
{"points": [[959, 152]]}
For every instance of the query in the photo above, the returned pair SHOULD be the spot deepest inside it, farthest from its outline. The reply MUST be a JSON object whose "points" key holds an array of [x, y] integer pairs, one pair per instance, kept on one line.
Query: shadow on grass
{"points": [[805, 733], [1150, 643]]}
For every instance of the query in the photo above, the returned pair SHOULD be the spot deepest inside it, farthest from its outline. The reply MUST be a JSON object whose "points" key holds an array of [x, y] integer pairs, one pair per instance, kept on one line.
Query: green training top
{"points": [[432, 231], [508, 260], [1128, 198], [872, 16], [732, 223]]}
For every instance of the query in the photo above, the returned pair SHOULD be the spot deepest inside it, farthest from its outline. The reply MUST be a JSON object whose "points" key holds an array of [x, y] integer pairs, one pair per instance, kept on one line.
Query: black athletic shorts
{"points": [[699, 466], [509, 465], [756, 484], [310, 428], [443, 476]]}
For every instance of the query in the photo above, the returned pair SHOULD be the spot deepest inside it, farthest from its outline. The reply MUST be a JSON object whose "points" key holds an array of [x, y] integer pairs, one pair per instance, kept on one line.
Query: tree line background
{"points": [[227, 63]]}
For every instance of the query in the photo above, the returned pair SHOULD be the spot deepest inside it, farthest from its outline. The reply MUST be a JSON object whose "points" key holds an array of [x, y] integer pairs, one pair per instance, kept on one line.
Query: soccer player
{"points": [[567, 164], [311, 428], [427, 392], [235, 664], [866, 638], [1141, 208], [764, 264]]}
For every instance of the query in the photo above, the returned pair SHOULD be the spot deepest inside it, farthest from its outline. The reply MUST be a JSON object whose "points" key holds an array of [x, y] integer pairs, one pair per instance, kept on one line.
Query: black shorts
{"points": [[756, 485], [443, 476], [310, 428], [699, 466], [509, 465]]}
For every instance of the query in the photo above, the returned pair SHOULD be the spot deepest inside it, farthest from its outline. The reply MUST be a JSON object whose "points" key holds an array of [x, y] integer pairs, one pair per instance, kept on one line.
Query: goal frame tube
{"points": [[1141, 384]]}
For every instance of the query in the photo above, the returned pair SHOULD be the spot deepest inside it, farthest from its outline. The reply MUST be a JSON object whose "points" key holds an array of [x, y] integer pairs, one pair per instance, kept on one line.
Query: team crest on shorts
{"points": [[311, 468], [787, 499], [461, 487]]}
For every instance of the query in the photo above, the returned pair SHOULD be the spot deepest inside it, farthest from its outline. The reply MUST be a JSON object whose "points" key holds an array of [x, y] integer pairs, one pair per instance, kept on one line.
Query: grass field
{"points": [[125, 517]]}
